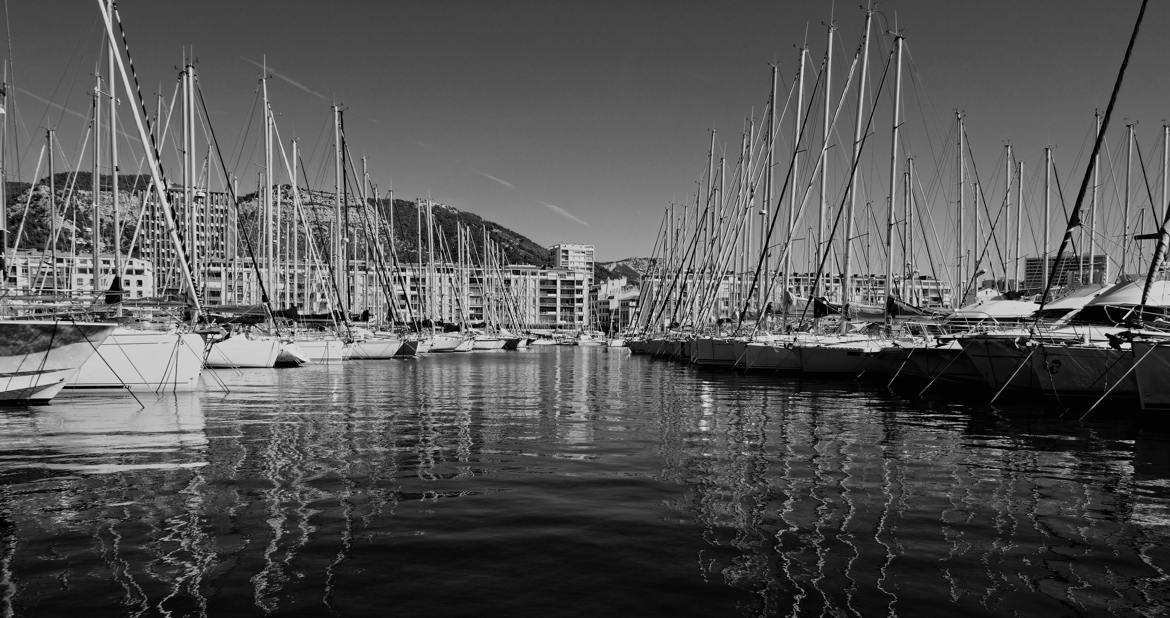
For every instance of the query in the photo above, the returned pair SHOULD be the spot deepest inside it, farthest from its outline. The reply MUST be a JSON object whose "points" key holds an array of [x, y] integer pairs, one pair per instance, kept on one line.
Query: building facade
{"points": [[573, 257], [31, 273], [1074, 271]]}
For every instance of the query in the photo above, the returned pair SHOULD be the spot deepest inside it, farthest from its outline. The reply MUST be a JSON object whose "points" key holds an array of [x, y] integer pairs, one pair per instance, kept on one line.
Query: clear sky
{"points": [[580, 121]]}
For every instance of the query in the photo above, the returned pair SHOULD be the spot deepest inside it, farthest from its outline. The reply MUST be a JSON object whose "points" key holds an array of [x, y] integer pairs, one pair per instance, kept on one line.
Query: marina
{"points": [[270, 351]]}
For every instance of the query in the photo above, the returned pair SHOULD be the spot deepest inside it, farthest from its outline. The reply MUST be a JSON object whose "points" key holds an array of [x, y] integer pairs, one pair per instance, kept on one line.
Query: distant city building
{"points": [[573, 257], [208, 232], [36, 273], [1073, 271], [614, 303], [523, 295]]}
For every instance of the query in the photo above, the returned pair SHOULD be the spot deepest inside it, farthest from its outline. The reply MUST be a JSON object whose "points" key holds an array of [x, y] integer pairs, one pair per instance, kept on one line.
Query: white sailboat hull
{"points": [[487, 342], [321, 350], [243, 352], [144, 360], [375, 348], [36, 357], [451, 342]]}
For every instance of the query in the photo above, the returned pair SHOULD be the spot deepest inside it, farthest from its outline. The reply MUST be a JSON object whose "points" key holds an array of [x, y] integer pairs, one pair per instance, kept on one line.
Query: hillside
{"points": [[630, 268], [517, 248]]}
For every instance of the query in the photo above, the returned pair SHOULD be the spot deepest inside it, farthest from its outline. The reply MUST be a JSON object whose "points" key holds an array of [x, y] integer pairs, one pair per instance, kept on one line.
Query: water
{"points": [[572, 482]]}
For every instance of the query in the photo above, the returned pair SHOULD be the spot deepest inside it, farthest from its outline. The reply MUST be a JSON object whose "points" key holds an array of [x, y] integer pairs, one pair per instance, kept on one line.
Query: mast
{"points": [[4, 176], [1165, 165], [432, 296], [1093, 204], [363, 195], [908, 224], [96, 185], [893, 180], [268, 223], [960, 283], [52, 212], [339, 269], [297, 275], [1047, 207], [188, 148], [114, 184], [710, 222], [847, 269], [792, 205], [1019, 220], [1125, 207], [349, 249], [825, 128], [1007, 200]]}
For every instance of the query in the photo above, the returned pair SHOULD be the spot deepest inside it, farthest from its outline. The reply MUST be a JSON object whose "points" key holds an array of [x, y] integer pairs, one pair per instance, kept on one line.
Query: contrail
{"points": [[496, 179], [286, 78], [564, 213], [51, 103], [56, 105]]}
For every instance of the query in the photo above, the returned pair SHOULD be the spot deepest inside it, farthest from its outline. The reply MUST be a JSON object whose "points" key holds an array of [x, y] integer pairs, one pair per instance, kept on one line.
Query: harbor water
{"points": [[569, 481]]}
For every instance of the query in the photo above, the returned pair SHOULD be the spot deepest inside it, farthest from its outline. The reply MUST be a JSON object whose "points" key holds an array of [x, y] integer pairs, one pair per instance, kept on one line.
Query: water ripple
{"points": [[572, 482]]}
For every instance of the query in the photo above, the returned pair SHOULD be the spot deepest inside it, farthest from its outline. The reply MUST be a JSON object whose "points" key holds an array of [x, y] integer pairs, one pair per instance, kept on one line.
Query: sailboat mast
{"points": [[710, 221], [269, 180], [188, 205], [908, 223], [960, 283], [338, 245], [825, 134], [1019, 221], [1165, 166], [1047, 208], [893, 178], [297, 275], [1007, 200], [432, 293], [847, 266], [1125, 207], [4, 171], [96, 184], [1093, 204], [52, 211], [792, 205], [114, 184]]}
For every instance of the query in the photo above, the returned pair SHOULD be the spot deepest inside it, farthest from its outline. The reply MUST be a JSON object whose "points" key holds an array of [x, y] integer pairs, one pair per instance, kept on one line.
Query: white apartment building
{"points": [[36, 273], [516, 294], [573, 257]]}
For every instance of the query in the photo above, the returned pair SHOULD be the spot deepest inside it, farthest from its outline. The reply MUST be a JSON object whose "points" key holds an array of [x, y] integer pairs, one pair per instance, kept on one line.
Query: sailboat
{"points": [[38, 356], [146, 356]]}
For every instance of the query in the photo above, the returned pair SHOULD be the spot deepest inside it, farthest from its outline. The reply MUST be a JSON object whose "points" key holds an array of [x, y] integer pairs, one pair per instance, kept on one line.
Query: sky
{"points": [[581, 121]]}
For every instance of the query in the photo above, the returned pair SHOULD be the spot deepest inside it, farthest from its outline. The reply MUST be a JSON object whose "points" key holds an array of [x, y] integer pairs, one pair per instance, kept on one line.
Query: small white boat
{"points": [[488, 342], [590, 339], [375, 347], [240, 350], [324, 348], [451, 342]]}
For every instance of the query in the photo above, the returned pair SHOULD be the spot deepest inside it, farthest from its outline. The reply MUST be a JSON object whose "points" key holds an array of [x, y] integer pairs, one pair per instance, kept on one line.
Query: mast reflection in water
{"points": [[575, 482]]}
